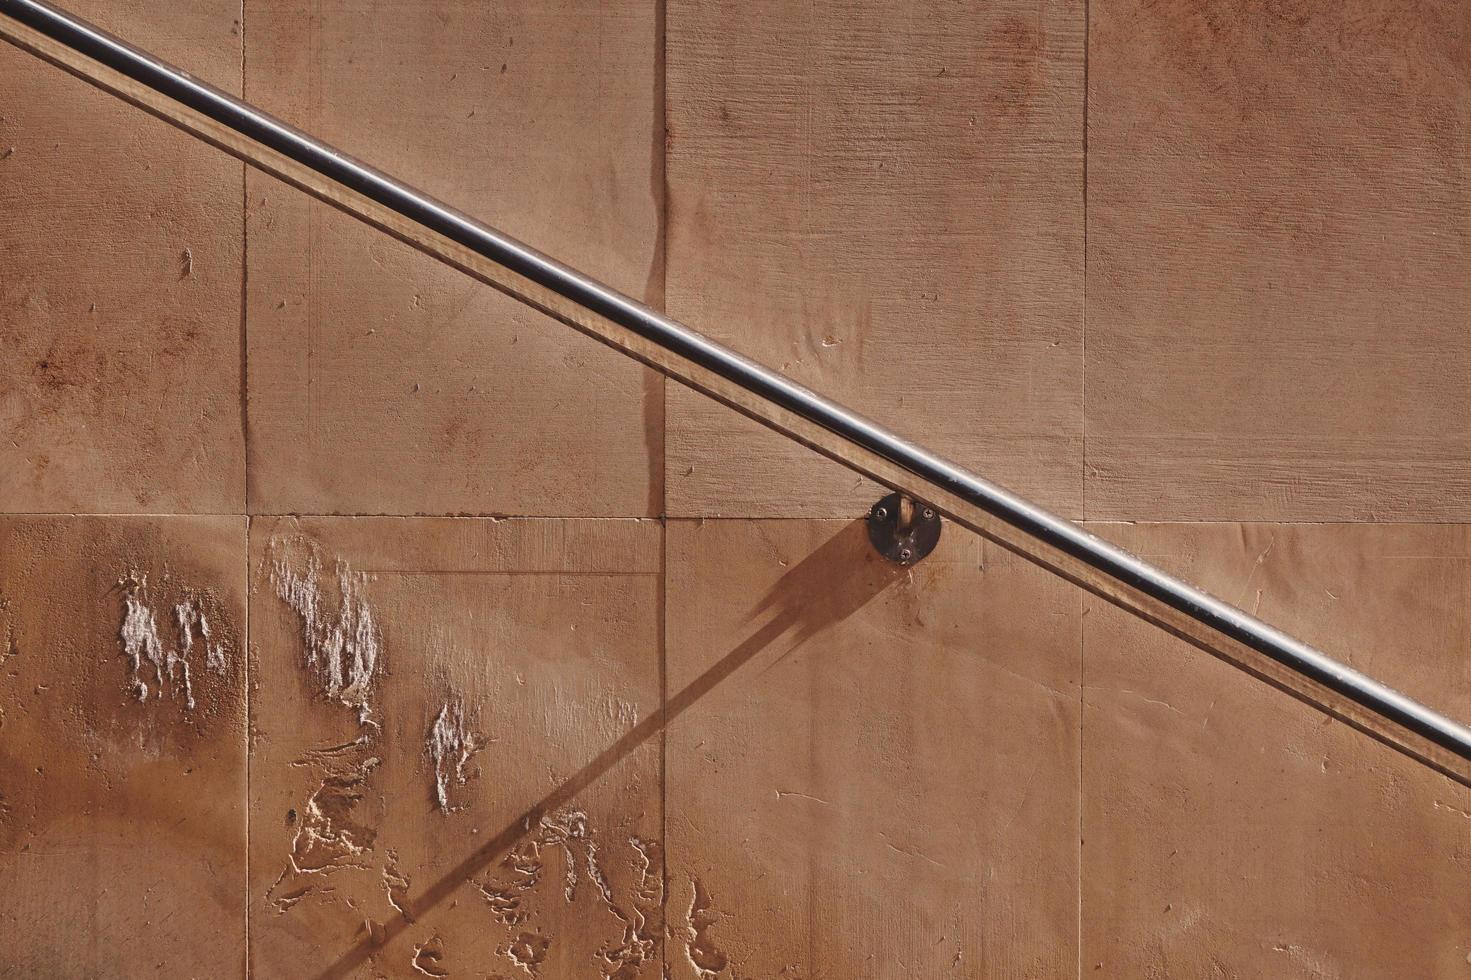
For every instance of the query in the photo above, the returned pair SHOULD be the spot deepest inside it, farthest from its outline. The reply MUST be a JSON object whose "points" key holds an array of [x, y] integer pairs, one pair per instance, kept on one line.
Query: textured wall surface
{"points": [[885, 201], [356, 621]]}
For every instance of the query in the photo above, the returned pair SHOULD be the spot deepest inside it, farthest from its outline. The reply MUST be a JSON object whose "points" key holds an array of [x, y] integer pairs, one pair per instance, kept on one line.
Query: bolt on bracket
{"points": [[902, 529]]}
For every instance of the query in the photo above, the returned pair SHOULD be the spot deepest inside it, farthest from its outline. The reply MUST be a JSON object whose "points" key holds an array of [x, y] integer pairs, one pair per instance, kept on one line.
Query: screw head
{"points": [[928, 513], [880, 513], [905, 554]]}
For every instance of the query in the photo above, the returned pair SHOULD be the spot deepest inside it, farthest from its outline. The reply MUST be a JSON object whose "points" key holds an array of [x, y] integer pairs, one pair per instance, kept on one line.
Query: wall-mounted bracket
{"points": [[902, 529]]}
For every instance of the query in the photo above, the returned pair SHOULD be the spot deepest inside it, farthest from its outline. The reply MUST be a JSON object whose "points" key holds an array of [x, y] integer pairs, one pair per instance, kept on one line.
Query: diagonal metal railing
{"points": [[763, 394]]}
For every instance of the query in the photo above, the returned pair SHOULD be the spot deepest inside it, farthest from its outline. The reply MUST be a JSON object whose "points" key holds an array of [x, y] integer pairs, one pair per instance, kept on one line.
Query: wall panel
{"points": [[455, 765], [872, 772], [383, 382], [120, 263], [883, 200], [1230, 830], [122, 746], [1279, 226]]}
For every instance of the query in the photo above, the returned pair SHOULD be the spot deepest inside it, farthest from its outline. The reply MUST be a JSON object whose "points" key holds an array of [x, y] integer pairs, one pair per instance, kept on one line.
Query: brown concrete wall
{"points": [[358, 622]]}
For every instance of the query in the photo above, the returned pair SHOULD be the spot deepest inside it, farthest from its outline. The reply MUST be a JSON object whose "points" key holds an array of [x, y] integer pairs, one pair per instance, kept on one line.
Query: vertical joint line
{"points": [[1083, 619], [244, 293], [245, 493], [1087, 51]]}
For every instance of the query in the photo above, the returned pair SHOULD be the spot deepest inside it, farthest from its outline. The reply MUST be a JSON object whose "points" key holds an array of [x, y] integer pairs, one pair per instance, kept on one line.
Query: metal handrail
{"points": [[771, 398]]}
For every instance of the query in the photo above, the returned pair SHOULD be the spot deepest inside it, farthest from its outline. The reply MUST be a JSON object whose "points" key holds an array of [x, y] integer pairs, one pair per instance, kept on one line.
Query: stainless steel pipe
{"points": [[760, 392]]}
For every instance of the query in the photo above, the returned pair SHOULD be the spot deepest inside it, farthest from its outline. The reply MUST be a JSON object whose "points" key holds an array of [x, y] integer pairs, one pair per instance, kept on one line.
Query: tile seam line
{"points": [[1083, 491], [249, 715], [1083, 353], [1082, 782], [244, 295], [247, 963], [662, 583], [662, 41], [639, 518]]}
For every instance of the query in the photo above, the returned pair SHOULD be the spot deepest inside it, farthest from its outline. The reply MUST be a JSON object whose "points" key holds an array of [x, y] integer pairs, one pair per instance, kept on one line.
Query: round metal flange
{"points": [[902, 529]]}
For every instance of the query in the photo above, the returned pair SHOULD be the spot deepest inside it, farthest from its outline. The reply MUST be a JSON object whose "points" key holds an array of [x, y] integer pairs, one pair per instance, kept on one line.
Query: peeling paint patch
{"points": [[428, 957], [451, 745], [527, 951], [341, 855], [396, 883], [342, 655], [329, 837], [625, 960], [568, 830], [505, 900], [568, 834], [707, 958], [342, 640]]}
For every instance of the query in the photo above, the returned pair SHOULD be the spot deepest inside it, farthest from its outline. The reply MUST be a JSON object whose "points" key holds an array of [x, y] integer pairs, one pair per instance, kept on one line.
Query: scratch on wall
{"points": [[8, 652], [11, 648]]}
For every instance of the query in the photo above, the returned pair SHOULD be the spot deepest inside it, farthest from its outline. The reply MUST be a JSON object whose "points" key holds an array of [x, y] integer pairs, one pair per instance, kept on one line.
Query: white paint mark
{"points": [[191, 619], [170, 668], [451, 745], [342, 646], [144, 648], [141, 645]]}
